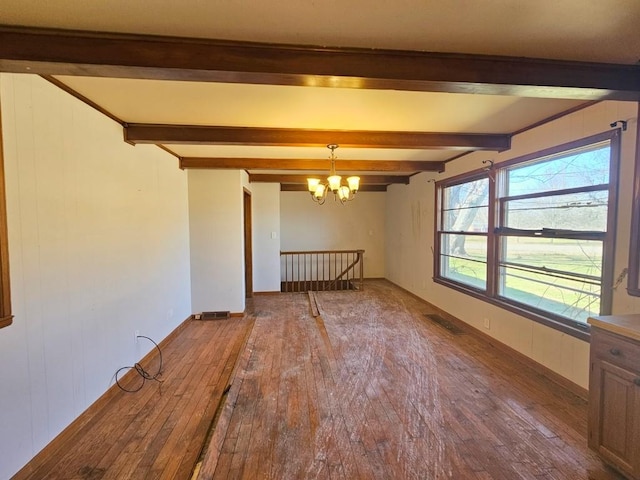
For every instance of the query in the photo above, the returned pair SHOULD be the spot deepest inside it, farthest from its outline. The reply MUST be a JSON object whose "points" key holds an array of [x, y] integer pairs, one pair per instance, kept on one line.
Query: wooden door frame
{"points": [[248, 244]]}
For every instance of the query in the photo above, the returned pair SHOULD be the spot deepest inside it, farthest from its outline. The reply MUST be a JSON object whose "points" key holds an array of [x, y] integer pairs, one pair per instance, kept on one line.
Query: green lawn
{"points": [[572, 298]]}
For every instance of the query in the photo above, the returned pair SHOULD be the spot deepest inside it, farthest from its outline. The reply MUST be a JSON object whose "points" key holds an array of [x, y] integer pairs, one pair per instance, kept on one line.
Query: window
{"points": [[5, 293], [465, 225], [535, 234]]}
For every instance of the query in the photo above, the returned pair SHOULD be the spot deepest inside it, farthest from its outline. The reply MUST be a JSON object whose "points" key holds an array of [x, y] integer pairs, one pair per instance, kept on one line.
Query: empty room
{"points": [[291, 240]]}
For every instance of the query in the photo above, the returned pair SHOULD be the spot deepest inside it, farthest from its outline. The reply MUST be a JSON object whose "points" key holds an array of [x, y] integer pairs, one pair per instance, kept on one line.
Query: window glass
{"points": [[561, 276], [579, 168], [574, 211], [465, 207], [464, 259]]}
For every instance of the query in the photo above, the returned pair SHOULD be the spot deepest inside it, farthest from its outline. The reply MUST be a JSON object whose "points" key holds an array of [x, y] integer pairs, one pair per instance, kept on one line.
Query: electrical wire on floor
{"points": [[141, 371]]}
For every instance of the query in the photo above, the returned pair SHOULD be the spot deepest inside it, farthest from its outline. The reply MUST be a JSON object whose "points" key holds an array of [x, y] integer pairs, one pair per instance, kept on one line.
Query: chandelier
{"points": [[344, 193]]}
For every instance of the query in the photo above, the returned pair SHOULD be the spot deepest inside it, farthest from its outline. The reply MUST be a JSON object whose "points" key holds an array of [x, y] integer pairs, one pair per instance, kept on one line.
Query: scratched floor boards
{"points": [[369, 389]]}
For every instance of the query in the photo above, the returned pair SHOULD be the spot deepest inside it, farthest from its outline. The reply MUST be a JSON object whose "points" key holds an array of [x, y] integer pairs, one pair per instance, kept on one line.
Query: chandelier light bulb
{"points": [[334, 182], [354, 184], [319, 189], [313, 184]]}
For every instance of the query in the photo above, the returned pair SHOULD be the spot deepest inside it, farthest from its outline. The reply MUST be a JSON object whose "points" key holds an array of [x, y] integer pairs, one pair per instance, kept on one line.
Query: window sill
{"points": [[560, 325]]}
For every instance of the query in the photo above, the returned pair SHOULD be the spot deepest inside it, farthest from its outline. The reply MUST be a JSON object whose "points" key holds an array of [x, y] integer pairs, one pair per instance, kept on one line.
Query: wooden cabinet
{"points": [[614, 392]]}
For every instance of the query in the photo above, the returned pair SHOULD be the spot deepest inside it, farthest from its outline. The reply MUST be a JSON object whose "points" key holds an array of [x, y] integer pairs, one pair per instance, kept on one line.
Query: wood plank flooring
{"points": [[370, 389], [157, 432]]}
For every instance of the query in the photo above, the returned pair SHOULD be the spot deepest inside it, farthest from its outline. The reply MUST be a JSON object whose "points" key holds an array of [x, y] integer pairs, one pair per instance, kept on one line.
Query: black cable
{"points": [[141, 371]]}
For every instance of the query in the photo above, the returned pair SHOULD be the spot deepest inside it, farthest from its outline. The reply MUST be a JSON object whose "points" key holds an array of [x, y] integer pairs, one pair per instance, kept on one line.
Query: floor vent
{"points": [[443, 322], [213, 315]]}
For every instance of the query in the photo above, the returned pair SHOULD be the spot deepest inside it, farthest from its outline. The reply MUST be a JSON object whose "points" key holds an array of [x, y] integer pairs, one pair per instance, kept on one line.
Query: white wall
{"points": [[99, 248], [359, 224], [217, 240], [410, 240], [265, 201]]}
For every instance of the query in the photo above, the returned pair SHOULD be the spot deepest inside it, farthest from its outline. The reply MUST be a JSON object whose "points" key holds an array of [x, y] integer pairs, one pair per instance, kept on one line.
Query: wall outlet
{"points": [[487, 323], [135, 336]]}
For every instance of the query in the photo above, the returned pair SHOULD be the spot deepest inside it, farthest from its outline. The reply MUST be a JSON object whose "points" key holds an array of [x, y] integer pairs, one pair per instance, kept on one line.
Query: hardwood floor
{"points": [[157, 432], [371, 389]]}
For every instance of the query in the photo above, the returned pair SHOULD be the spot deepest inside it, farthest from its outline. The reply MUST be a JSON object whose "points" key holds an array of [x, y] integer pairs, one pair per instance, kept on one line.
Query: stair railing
{"points": [[321, 270]]}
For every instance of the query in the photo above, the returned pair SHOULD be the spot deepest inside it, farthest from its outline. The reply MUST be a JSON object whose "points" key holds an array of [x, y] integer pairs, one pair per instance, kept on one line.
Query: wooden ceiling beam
{"points": [[217, 135], [302, 179], [67, 52], [311, 165], [291, 187]]}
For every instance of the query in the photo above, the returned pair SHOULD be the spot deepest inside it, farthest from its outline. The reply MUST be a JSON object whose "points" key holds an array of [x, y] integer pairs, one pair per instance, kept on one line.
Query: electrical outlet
{"points": [[135, 336], [487, 323]]}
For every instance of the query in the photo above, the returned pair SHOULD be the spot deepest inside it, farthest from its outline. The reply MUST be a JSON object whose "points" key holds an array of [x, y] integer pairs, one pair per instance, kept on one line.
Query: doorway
{"points": [[248, 247]]}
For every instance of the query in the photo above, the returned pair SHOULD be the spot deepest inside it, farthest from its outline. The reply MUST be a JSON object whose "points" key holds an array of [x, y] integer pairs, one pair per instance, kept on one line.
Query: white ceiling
{"points": [[604, 31], [195, 103], [587, 30]]}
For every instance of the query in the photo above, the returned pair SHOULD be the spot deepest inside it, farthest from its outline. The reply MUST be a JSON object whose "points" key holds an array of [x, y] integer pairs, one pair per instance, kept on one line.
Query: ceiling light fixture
{"points": [[344, 193]]}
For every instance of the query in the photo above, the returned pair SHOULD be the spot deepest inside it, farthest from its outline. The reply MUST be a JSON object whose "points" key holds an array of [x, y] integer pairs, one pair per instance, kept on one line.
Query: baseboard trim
{"points": [[270, 292], [91, 411], [506, 349], [236, 314]]}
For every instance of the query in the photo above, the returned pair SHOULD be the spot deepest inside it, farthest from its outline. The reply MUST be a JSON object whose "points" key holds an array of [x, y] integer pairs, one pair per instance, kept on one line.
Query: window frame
{"points": [[440, 221], [633, 280], [6, 318], [496, 175]]}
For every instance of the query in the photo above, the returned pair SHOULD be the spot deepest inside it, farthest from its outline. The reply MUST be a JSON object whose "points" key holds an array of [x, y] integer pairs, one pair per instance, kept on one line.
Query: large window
{"points": [[535, 234]]}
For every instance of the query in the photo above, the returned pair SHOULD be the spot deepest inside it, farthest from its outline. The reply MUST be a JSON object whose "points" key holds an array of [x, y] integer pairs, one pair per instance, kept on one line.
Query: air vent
{"points": [[213, 315], [444, 323]]}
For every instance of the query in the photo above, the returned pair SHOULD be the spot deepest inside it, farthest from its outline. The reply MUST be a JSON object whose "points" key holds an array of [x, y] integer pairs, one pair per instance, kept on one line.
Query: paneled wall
{"points": [[99, 249]]}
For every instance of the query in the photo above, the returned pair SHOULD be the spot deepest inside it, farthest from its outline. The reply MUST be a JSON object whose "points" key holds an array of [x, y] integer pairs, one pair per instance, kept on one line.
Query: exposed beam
{"points": [[310, 164], [291, 187], [66, 52], [302, 179], [217, 135]]}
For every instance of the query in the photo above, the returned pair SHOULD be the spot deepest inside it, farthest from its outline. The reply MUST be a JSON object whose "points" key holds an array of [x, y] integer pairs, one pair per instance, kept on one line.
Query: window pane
{"points": [[556, 275], [577, 211], [464, 259], [465, 207], [579, 169]]}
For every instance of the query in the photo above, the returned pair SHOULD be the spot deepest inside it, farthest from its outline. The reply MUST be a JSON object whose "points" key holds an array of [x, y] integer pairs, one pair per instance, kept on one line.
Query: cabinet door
{"points": [[616, 433]]}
